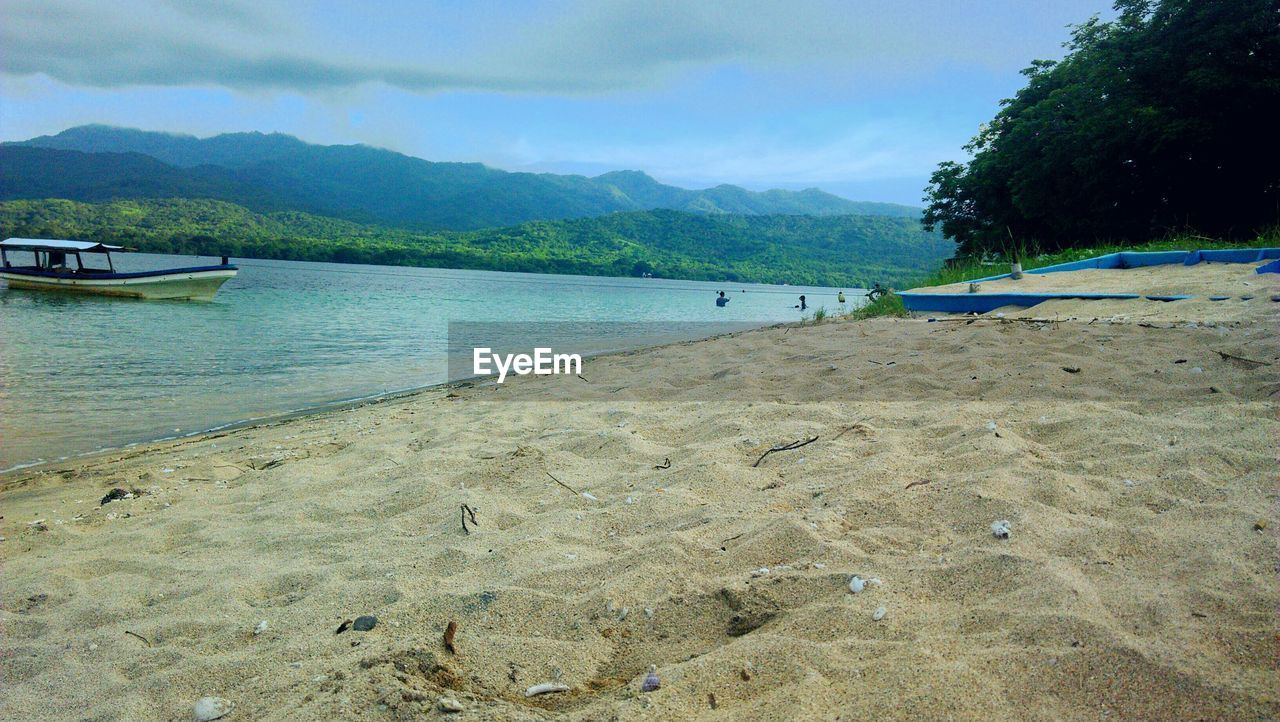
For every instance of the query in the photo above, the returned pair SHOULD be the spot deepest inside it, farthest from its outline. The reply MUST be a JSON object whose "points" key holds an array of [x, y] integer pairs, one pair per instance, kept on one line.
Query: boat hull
{"points": [[180, 284]]}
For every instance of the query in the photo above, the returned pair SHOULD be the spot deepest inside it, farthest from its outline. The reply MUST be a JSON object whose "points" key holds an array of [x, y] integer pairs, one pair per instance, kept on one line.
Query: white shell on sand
{"points": [[546, 688], [211, 708], [262, 627], [449, 704], [880, 612], [856, 584]]}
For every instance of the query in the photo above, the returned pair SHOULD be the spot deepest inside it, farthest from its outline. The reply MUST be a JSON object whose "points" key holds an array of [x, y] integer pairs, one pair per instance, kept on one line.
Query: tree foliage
{"points": [[826, 250], [1161, 120]]}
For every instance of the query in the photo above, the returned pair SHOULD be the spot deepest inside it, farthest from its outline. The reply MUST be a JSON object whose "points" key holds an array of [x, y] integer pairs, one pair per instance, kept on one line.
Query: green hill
{"points": [[823, 250]]}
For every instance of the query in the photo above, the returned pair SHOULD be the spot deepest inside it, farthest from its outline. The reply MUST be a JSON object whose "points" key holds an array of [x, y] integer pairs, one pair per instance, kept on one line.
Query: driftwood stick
{"points": [[1226, 356], [468, 512], [922, 482], [784, 447], [561, 483], [139, 636]]}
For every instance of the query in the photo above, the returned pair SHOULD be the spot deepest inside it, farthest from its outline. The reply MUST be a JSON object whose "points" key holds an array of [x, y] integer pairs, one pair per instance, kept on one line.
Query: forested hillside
{"points": [[1160, 121], [831, 250]]}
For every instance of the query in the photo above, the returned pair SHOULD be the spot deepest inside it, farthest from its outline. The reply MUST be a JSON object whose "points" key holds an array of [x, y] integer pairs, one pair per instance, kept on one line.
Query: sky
{"points": [[859, 98]]}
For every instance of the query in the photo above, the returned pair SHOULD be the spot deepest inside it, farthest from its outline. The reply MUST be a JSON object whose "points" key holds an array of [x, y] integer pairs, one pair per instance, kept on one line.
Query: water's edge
{"points": [[142, 446]]}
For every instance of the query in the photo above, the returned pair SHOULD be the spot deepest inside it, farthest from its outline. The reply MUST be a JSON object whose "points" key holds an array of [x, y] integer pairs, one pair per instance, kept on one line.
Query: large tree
{"points": [[1161, 120]]}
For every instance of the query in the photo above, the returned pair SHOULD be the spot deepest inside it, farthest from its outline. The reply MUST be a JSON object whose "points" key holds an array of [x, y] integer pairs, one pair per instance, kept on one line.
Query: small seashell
{"points": [[211, 708], [622, 616], [546, 688], [880, 612], [856, 584], [449, 705], [991, 426], [651, 681], [648, 612], [262, 627], [1000, 529], [588, 495]]}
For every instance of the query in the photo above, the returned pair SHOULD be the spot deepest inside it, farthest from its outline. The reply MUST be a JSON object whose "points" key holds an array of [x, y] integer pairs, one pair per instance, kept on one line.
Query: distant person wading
{"points": [[722, 300]]}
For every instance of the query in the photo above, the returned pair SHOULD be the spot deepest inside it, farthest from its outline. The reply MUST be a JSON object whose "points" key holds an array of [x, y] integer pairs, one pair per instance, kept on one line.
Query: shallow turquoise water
{"points": [[82, 373]]}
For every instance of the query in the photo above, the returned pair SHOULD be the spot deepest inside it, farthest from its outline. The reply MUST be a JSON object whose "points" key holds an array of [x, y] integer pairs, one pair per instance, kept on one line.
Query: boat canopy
{"points": [[42, 244]]}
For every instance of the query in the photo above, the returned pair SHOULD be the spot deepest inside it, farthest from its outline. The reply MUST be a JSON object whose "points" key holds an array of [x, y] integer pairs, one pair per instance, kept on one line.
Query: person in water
{"points": [[722, 300], [802, 305], [840, 297]]}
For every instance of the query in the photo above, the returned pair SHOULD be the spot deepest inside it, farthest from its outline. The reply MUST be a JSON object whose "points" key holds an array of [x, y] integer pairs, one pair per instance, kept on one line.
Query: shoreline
{"points": [[332, 406]]}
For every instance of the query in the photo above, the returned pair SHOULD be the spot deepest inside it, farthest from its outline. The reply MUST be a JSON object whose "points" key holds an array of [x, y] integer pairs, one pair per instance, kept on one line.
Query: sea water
{"points": [[80, 373]]}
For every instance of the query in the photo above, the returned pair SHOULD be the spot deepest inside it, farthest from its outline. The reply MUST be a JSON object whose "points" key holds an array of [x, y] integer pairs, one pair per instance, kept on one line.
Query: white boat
{"points": [[59, 266]]}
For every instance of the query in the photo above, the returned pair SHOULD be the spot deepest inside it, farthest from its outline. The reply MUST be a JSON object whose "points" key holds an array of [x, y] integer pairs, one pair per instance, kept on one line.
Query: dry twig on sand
{"points": [[1225, 356], [784, 447], [468, 512], [561, 483]]}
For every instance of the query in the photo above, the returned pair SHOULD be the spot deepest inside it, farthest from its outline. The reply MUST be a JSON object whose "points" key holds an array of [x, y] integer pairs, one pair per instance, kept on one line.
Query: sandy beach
{"points": [[1130, 445]]}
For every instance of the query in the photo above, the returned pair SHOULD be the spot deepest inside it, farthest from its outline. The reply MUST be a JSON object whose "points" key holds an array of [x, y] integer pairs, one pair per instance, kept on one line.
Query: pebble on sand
{"points": [[856, 584], [365, 623], [449, 704], [651, 681], [879, 614], [211, 708], [1000, 529], [262, 627]]}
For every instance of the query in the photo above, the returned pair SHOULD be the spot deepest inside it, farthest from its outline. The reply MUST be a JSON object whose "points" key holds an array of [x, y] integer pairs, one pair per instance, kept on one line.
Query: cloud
{"points": [[570, 47]]}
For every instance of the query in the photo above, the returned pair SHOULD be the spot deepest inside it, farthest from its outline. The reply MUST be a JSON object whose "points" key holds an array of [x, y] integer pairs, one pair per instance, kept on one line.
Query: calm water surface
{"points": [[82, 373]]}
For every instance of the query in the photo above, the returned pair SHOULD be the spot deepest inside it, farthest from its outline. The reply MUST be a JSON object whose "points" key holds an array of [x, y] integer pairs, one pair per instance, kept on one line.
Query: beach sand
{"points": [[1134, 461]]}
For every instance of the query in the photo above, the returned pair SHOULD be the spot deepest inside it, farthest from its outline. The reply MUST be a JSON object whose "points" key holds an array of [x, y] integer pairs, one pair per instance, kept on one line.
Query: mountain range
{"points": [[275, 172]]}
